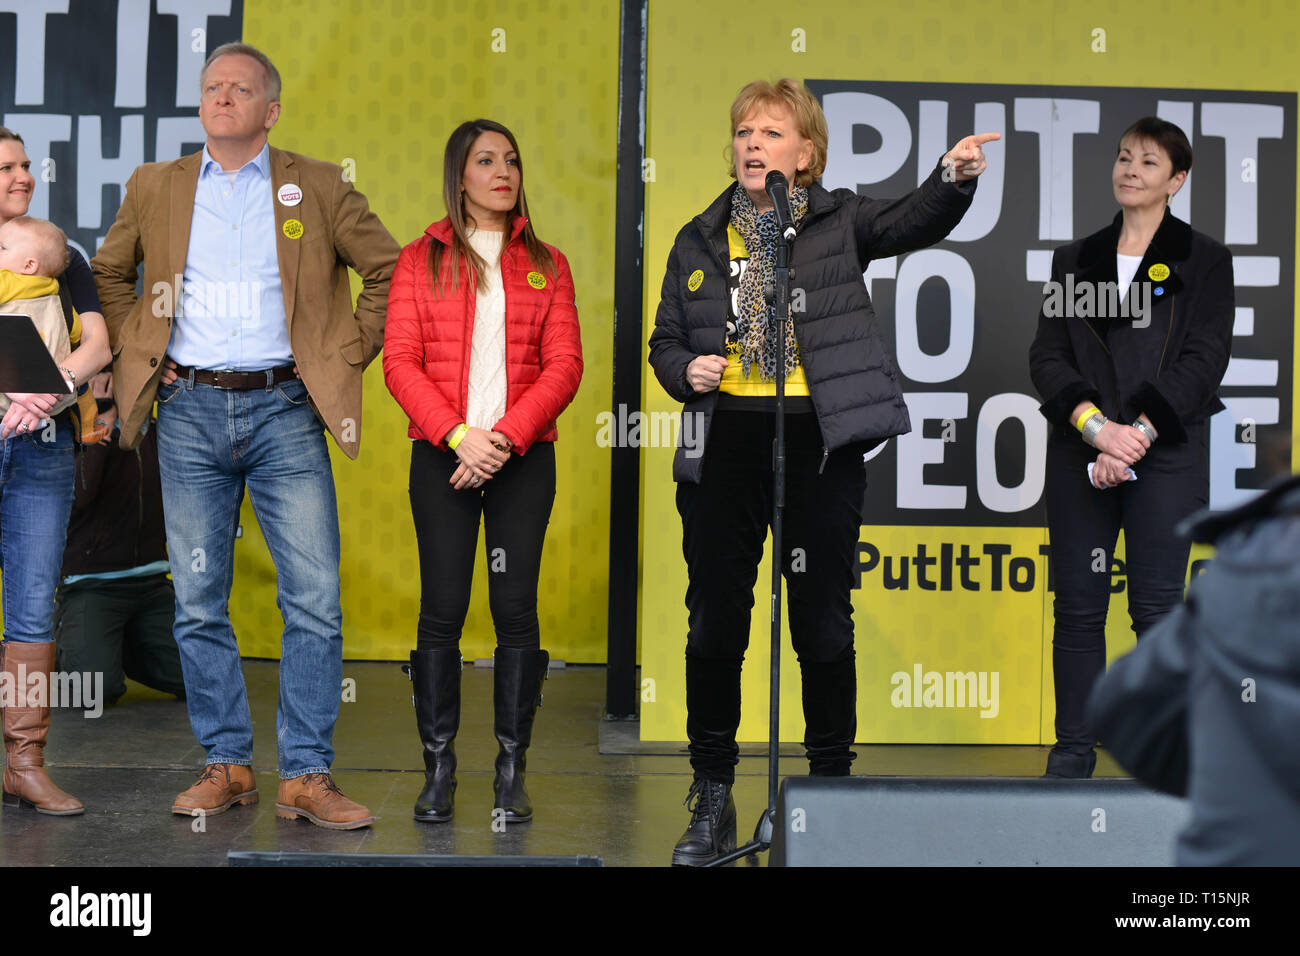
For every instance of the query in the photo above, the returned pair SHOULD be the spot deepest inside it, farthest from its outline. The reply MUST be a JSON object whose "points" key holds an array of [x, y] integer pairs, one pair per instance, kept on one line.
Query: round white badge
{"points": [[289, 194]]}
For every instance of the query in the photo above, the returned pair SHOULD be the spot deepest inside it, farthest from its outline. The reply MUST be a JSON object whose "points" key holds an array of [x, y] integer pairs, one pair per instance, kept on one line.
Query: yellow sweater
{"points": [[733, 382]]}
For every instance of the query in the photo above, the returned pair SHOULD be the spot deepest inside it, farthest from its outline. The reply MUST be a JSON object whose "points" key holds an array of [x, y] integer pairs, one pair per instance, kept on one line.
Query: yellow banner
{"points": [[378, 89]]}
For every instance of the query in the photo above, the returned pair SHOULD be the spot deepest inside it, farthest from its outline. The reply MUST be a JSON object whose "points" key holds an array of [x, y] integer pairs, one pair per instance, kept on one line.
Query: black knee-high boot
{"points": [[518, 676], [435, 678]]}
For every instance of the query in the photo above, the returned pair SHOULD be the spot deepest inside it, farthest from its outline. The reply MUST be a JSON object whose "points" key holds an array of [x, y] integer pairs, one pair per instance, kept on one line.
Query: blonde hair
{"points": [[51, 244], [272, 75], [793, 98]]}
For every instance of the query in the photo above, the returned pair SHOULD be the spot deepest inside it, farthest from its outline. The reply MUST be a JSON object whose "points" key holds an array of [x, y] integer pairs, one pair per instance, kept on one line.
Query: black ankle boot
{"points": [[712, 831], [435, 678], [517, 677], [1064, 765], [830, 713]]}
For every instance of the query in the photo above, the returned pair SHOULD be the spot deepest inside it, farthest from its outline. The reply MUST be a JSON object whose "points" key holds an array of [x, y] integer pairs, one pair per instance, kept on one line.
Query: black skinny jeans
{"points": [[516, 507], [725, 519], [1084, 522]]}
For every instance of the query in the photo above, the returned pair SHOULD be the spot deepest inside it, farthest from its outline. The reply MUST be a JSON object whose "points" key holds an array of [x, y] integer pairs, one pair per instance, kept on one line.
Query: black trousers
{"points": [[515, 506], [1084, 523], [120, 627], [725, 519]]}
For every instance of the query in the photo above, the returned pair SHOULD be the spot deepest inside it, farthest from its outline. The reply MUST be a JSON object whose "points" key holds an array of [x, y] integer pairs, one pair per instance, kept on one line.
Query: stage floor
{"points": [[596, 789]]}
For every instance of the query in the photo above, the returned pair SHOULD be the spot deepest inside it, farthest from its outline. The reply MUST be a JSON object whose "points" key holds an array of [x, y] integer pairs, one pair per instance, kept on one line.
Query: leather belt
{"points": [[239, 381]]}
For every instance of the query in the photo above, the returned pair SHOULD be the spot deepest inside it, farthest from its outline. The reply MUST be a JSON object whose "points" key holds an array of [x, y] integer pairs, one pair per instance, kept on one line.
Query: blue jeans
{"points": [[211, 444], [36, 475]]}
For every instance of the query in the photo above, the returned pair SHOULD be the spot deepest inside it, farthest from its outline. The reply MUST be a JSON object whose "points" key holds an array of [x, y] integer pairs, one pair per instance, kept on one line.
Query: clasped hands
{"points": [[482, 453], [1119, 448], [26, 412]]}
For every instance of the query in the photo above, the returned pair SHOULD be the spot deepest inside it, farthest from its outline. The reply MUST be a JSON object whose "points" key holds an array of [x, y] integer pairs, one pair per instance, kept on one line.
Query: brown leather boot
{"points": [[26, 784], [220, 787], [317, 797]]}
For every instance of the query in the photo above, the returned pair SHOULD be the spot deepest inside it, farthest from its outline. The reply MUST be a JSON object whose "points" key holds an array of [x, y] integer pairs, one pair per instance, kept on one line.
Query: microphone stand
{"points": [[767, 822]]}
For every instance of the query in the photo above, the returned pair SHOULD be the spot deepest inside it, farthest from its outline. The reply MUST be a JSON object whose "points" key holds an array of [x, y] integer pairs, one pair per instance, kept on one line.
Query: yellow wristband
{"points": [[461, 431], [1087, 414]]}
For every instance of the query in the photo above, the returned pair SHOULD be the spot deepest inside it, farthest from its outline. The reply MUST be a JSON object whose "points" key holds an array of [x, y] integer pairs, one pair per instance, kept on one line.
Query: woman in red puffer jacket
{"points": [[482, 351]]}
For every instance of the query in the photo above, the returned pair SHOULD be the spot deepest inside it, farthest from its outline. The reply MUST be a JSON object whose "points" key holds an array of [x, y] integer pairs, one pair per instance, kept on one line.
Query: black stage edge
{"points": [[629, 342], [262, 858]]}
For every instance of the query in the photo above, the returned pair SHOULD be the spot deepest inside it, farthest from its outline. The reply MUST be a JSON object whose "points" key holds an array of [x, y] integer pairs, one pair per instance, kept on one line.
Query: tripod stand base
{"points": [[762, 840]]}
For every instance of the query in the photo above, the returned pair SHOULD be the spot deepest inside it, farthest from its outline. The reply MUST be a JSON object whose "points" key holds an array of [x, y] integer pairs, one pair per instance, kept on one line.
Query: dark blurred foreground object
{"points": [[1208, 704]]}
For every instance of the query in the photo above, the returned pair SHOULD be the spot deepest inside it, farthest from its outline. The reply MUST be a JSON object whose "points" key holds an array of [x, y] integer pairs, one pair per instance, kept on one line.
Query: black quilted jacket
{"points": [[851, 377]]}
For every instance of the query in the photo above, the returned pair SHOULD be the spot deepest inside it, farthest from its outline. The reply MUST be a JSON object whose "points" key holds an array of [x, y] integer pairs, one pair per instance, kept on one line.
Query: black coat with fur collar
{"points": [[851, 377], [1168, 364]]}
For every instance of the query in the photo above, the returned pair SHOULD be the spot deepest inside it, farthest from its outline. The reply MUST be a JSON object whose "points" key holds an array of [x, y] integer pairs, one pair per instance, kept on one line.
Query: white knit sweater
{"points": [[487, 358]]}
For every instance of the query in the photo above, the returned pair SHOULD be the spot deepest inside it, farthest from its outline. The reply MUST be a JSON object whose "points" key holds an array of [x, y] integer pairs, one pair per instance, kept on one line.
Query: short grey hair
{"points": [[272, 74]]}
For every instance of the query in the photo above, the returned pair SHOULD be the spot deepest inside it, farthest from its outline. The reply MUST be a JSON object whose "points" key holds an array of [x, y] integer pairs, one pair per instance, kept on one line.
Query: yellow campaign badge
{"points": [[293, 229], [1159, 272], [696, 280], [537, 280]]}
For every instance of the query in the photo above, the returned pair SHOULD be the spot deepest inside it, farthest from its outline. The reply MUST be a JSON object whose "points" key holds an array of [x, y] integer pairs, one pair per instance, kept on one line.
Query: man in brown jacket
{"points": [[247, 338]]}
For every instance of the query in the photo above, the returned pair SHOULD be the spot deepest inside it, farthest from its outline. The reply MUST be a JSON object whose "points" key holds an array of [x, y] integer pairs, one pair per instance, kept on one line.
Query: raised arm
{"points": [[888, 227]]}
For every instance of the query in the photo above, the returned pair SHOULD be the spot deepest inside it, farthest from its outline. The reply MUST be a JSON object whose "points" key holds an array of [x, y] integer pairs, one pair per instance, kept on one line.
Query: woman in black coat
{"points": [[711, 350], [1129, 388]]}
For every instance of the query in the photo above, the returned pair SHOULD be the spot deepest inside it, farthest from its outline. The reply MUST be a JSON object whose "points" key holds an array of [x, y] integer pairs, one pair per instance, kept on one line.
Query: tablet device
{"points": [[25, 365]]}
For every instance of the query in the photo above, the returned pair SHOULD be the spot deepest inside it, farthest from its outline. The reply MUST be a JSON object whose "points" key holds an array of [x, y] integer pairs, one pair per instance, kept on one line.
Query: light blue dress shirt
{"points": [[231, 313]]}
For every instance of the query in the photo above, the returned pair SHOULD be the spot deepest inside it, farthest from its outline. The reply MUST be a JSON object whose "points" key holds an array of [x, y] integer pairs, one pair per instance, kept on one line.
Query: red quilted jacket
{"points": [[427, 342]]}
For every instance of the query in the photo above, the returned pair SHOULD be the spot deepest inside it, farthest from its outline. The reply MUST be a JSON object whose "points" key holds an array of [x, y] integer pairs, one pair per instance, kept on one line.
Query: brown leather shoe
{"points": [[220, 787], [26, 784], [317, 797]]}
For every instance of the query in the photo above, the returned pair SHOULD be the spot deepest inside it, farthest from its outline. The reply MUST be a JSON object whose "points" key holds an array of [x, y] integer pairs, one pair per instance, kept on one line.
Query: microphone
{"points": [[779, 189]]}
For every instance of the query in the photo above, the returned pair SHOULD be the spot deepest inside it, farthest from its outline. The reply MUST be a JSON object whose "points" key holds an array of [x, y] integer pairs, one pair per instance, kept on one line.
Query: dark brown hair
{"points": [[1164, 134], [9, 134], [453, 171]]}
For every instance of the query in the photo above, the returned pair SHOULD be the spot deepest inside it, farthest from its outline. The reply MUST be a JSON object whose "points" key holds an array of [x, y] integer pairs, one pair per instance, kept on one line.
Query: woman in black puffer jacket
{"points": [[711, 350]]}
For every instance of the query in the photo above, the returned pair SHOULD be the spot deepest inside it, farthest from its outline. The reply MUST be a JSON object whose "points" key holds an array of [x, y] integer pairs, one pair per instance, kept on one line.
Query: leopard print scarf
{"points": [[754, 313]]}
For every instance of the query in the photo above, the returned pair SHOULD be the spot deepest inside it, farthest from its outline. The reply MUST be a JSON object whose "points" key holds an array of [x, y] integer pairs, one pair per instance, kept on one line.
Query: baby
{"points": [[32, 248], [33, 254]]}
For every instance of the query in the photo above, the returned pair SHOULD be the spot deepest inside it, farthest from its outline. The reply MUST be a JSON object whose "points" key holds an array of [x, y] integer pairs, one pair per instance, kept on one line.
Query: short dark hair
{"points": [[10, 134], [243, 49], [1164, 134]]}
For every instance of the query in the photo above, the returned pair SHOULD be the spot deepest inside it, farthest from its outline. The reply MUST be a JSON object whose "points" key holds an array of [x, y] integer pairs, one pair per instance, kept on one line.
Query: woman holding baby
{"points": [[36, 473]]}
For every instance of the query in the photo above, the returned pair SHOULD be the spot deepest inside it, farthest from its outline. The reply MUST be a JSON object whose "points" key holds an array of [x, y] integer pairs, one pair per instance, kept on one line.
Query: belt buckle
{"points": [[216, 381]]}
